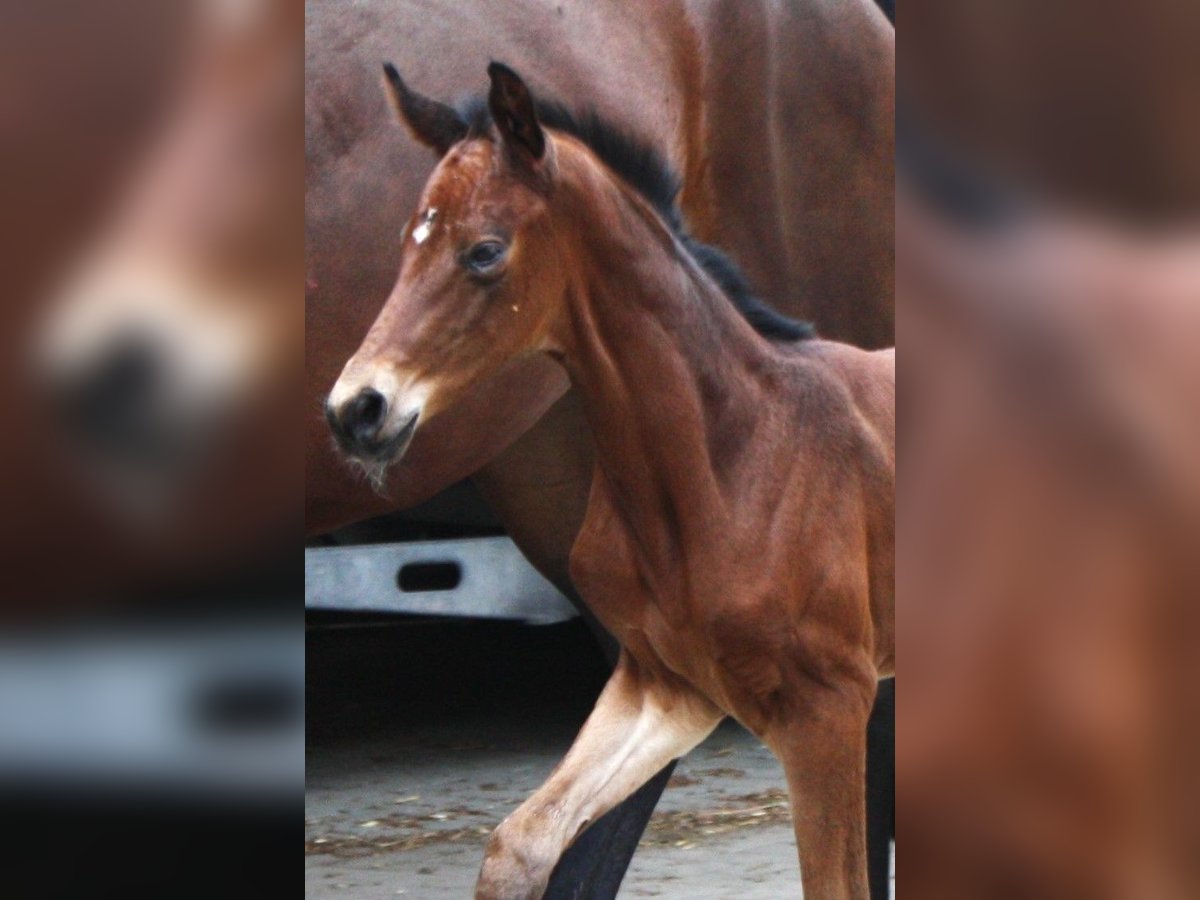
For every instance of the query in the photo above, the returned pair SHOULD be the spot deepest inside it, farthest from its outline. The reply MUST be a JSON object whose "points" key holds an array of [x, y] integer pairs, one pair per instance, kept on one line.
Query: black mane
{"points": [[644, 169]]}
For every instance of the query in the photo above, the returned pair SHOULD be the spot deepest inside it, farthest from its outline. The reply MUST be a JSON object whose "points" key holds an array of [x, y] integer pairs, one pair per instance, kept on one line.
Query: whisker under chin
{"points": [[376, 475], [372, 471]]}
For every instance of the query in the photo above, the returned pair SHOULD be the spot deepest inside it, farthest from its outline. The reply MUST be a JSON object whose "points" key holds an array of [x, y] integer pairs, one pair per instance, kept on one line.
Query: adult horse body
{"points": [[739, 535]]}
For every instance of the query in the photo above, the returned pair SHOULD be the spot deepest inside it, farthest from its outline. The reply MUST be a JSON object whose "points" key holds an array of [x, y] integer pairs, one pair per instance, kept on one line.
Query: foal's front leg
{"points": [[640, 723], [823, 751]]}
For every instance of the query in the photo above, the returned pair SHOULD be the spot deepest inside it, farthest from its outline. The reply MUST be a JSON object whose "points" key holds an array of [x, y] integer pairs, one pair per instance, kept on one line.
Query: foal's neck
{"points": [[670, 374]]}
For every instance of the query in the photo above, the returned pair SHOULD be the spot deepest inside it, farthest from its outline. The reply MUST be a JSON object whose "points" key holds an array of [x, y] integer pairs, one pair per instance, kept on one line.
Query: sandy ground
{"points": [[405, 811]]}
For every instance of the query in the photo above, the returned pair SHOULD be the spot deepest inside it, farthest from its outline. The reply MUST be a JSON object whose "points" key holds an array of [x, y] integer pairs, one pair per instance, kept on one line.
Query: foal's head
{"points": [[178, 334], [481, 277]]}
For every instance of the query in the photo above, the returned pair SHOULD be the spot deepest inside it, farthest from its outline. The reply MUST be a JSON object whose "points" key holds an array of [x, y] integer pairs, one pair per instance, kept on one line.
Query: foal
{"points": [[739, 538]]}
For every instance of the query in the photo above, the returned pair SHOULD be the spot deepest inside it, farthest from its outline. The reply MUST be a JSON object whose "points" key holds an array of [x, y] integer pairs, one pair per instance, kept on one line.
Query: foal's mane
{"points": [[646, 171]]}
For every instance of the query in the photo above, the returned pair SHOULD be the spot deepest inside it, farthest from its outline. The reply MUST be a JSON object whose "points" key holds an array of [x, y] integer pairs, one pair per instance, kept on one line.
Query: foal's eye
{"points": [[485, 257]]}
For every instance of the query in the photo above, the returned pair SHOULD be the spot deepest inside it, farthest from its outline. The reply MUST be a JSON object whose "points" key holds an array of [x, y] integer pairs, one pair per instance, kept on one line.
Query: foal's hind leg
{"points": [[640, 723], [823, 750]]}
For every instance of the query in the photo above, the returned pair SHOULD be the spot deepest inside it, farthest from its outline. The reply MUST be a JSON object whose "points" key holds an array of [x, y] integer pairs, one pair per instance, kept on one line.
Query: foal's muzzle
{"points": [[112, 407], [361, 427]]}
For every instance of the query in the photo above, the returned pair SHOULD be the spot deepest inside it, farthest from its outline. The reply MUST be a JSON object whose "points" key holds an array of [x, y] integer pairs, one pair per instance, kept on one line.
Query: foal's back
{"points": [[870, 379], [842, 386]]}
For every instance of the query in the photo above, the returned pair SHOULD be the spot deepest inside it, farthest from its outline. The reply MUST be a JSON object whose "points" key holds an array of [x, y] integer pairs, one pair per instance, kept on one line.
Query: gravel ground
{"points": [[400, 800]]}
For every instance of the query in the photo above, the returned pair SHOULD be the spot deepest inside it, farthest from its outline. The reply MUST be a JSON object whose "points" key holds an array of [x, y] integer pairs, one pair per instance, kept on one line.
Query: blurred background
{"points": [[152, 332], [1048, 297], [151, 640]]}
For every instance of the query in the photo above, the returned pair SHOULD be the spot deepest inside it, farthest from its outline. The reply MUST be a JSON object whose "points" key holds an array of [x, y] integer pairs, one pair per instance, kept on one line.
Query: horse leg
{"points": [[881, 789], [593, 867], [639, 724], [824, 754]]}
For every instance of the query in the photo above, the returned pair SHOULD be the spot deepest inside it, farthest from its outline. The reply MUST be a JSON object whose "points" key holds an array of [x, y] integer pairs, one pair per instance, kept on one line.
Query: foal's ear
{"points": [[512, 110], [434, 124]]}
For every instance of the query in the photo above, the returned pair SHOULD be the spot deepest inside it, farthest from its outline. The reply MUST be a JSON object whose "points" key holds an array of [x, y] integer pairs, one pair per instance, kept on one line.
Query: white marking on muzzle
{"points": [[404, 393]]}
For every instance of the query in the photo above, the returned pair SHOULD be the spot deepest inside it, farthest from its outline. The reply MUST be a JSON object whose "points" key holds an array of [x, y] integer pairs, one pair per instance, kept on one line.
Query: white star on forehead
{"points": [[423, 229]]}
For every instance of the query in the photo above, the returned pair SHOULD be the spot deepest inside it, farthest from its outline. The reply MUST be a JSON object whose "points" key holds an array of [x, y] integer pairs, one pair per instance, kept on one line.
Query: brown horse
{"points": [[821, 249], [1097, 113], [181, 318], [721, 457], [808, 214], [152, 330], [1050, 562]]}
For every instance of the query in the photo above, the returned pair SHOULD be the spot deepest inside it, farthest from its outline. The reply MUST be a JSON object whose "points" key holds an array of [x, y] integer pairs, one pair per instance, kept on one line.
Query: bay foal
{"points": [[739, 539]]}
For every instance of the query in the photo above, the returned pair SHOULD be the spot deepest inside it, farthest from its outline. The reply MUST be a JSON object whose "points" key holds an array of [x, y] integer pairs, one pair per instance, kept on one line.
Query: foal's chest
{"points": [[656, 611]]}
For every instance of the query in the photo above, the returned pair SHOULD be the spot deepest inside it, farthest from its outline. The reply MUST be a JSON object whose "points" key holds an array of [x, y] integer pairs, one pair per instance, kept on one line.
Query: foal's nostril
{"points": [[131, 366], [365, 415], [110, 398]]}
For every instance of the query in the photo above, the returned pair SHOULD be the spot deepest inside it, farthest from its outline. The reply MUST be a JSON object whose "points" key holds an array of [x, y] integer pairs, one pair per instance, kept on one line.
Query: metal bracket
{"points": [[484, 578]]}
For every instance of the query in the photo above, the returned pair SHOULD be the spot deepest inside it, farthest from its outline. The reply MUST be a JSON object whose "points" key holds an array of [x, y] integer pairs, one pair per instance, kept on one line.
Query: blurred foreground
{"points": [[152, 330], [1048, 272], [1048, 552], [151, 655]]}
